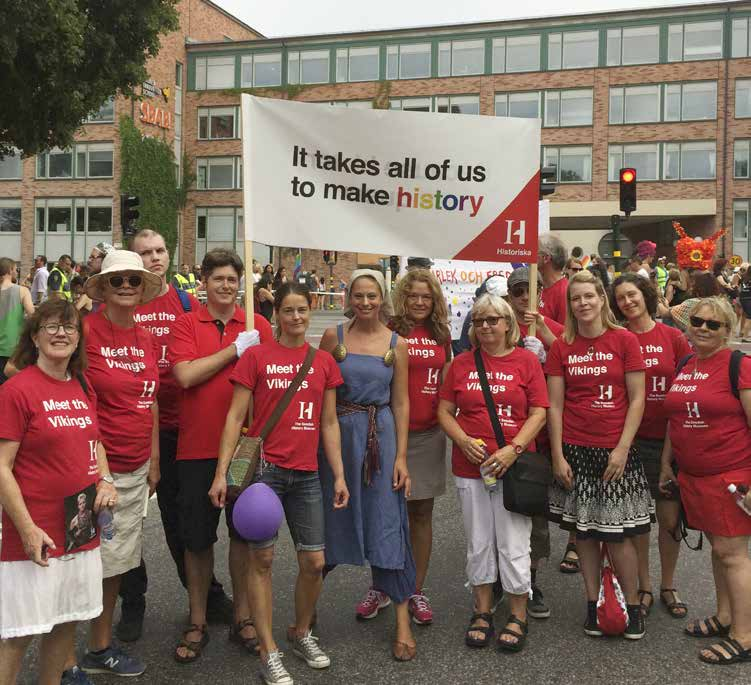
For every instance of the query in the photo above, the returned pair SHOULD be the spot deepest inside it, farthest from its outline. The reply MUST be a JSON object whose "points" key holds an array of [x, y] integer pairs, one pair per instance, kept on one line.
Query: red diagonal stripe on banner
{"points": [[522, 213]]}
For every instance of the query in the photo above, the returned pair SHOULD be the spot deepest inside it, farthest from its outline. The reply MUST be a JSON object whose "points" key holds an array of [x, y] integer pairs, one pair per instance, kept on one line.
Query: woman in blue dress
{"points": [[373, 409]]}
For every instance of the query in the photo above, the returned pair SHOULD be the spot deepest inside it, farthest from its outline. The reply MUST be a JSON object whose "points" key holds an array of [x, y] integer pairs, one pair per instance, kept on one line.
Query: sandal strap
{"points": [[511, 633], [571, 547], [712, 623], [647, 592], [514, 619], [732, 646], [195, 628], [241, 625], [482, 615]]}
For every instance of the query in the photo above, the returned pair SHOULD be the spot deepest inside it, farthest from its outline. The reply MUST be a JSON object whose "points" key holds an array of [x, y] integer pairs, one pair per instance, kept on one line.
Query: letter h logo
{"points": [[520, 232], [693, 410], [433, 376], [306, 411]]}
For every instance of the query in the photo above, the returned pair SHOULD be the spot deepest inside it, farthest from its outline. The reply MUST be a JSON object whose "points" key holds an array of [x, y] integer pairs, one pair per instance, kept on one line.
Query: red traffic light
{"points": [[628, 175]]}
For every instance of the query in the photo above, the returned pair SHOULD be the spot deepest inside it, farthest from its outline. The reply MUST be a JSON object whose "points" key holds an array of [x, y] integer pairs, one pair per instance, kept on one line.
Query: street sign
{"points": [[607, 247]]}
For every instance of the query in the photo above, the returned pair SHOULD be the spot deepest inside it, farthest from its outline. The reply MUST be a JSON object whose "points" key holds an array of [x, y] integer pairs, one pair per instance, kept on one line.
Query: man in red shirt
{"points": [[552, 256], [204, 346]]}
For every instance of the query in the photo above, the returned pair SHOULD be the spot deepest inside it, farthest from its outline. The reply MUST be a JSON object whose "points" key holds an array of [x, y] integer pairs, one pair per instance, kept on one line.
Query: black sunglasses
{"points": [[490, 320], [133, 280], [698, 322]]}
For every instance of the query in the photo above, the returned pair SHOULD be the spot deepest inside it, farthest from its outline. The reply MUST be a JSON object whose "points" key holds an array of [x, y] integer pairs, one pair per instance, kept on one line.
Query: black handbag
{"points": [[526, 483]]}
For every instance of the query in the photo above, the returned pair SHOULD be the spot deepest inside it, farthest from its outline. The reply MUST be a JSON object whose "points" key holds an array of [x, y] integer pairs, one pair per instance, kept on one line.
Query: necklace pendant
{"points": [[339, 353], [390, 357]]}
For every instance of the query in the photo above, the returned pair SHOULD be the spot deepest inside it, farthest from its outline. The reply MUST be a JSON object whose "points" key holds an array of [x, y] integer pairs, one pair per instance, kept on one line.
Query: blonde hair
{"points": [[721, 308], [606, 315], [437, 322], [497, 304]]}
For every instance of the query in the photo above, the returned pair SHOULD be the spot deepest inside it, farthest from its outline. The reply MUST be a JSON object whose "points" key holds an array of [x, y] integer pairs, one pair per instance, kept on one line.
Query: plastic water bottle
{"points": [[739, 492], [106, 522], [488, 477]]}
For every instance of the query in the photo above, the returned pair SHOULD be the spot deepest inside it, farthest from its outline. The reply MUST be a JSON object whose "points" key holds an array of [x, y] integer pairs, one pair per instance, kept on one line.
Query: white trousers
{"points": [[497, 540]]}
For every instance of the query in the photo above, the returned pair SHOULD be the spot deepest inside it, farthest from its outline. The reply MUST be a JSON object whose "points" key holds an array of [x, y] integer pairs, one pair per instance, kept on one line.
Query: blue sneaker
{"points": [[114, 661], [75, 676]]}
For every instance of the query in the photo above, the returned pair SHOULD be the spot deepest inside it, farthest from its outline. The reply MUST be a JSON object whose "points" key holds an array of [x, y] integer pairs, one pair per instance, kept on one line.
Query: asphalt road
{"points": [[557, 650]]}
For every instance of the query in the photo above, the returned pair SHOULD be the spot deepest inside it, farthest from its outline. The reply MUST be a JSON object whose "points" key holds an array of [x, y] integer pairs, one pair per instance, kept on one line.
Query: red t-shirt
{"points": [[158, 317], [553, 301], [55, 423], [708, 428], [124, 372], [516, 382], [662, 348], [204, 407], [596, 399], [426, 361], [267, 370], [555, 328]]}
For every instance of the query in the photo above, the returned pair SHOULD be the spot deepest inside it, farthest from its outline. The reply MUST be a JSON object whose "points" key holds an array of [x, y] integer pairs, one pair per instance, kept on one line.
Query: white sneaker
{"points": [[306, 647], [273, 671]]}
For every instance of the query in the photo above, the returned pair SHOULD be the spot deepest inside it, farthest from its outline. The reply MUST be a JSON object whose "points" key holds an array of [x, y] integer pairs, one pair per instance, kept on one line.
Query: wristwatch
{"points": [[518, 449], [107, 479]]}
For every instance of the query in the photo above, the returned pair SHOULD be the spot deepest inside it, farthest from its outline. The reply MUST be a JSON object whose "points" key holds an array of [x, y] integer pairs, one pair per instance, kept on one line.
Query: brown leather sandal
{"points": [[403, 652], [675, 608], [236, 636], [196, 647]]}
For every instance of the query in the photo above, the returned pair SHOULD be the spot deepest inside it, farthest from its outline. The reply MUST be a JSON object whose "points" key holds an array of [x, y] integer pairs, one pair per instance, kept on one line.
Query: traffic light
{"points": [[628, 190], [129, 213], [394, 265], [547, 180], [326, 256]]}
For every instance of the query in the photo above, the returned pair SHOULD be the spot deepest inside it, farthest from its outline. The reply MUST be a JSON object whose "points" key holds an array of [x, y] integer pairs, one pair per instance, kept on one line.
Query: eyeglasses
{"points": [[418, 298], [490, 320], [133, 280], [576, 268], [698, 322], [519, 290], [53, 328]]}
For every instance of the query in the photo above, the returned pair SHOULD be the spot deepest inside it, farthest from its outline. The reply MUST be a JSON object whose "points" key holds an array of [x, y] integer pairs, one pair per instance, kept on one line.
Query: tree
{"points": [[60, 60]]}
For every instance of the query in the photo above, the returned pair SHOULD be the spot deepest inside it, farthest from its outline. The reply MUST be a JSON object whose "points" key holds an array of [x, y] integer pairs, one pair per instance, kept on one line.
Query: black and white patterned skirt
{"points": [[596, 509]]}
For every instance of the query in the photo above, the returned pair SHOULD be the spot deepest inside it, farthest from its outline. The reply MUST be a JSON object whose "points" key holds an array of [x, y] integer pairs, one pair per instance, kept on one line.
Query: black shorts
{"points": [[199, 518]]}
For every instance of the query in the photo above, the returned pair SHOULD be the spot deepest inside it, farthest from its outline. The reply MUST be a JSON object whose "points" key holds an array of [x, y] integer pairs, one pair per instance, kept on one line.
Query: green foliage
{"points": [[148, 171], [382, 99], [188, 179], [60, 60]]}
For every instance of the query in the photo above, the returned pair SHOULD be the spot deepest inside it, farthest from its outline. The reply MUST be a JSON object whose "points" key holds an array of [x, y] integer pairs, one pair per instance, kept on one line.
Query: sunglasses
{"points": [[519, 290], [698, 322], [490, 320], [117, 281]]}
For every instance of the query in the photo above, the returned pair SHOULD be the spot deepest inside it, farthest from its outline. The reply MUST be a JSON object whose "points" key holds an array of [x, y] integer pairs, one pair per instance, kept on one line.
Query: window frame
{"points": [[681, 144], [453, 43], [620, 30], [95, 119], [251, 60], [671, 26], [561, 93], [614, 177], [16, 156], [79, 149], [396, 49], [203, 83], [745, 81], [558, 148], [235, 161], [235, 124], [742, 142], [347, 78], [300, 53]]}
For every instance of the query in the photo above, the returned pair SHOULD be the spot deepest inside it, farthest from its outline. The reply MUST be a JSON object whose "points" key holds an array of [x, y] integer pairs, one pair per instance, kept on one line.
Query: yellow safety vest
{"points": [[64, 285], [187, 284]]}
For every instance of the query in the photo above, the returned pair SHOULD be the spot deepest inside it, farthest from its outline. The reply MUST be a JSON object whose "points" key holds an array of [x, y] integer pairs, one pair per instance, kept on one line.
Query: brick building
{"points": [[665, 90]]}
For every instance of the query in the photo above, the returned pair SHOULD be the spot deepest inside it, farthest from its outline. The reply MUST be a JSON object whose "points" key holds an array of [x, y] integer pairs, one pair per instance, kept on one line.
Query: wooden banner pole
{"points": [[533, 296]]}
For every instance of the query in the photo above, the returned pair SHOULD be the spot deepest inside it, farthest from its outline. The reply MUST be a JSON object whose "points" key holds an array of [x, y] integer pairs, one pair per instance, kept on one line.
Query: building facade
{"points": [[667, 91]]}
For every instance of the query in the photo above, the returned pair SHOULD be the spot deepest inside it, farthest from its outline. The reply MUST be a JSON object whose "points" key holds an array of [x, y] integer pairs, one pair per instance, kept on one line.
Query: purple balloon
{"points": [[257, 513]]}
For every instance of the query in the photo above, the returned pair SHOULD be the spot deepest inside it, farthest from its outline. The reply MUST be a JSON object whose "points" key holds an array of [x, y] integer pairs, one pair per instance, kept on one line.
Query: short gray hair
{"points": [[555, 249]]}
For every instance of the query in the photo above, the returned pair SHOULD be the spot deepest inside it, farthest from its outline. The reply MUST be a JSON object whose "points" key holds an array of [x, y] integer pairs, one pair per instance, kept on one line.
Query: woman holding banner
{"points": [[420, 316], [373, 409]]}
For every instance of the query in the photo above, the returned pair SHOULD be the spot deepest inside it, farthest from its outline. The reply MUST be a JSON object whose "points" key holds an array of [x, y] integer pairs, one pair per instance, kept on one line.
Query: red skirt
{"points": [[710, 507]]}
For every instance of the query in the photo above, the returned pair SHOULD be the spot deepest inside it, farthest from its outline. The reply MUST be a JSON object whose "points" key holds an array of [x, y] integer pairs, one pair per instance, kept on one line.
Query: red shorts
{"points": [[710, 507]]}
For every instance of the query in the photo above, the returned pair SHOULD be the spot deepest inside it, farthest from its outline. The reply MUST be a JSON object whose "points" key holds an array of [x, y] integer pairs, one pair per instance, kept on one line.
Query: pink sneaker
{"points": [[419, 607], [373, 602]]}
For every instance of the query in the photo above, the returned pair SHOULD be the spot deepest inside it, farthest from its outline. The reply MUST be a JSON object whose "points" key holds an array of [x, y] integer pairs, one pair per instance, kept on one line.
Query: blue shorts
{"points": [[302, 499]]}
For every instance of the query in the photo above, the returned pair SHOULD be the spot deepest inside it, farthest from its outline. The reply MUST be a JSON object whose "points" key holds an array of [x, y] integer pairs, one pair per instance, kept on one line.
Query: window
{"points": [[106, 113], [695, 41], [11, 166], [260, 71], [690, 101], [71, 225], [461, 57], [573, 164], [568, 107], [218, 173], [408, 61], [215, 72], [645, 158], [689, 161], [357, 64], [741, 211], [573, 50], [742, 98], [741, 158], [634, 104], [217, 227], [308, 66], [525, 105], [215, 123], [412, 104], [178, 119], [10, 228], [633, 45], [354, 104], [740, 38], [515, 54], [458, 104], [94, 160], [56, 163]]}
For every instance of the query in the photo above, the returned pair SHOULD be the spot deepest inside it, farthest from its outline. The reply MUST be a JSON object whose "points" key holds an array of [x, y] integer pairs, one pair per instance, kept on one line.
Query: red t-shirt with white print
{"points": [[555, 328], [55, 423], [553, 301], [267, 370], [516, 382], [596, 399], [426, 361]]}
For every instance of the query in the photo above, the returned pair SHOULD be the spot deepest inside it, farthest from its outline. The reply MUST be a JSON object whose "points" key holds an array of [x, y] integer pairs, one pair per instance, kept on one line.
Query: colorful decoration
{"points": [[646, 248], [697, 252]]}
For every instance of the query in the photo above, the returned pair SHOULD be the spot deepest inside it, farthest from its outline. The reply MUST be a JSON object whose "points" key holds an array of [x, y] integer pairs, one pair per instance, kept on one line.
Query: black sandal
{"points": [[569, 565], [676, 608], [644, 607], [487, 630], [521, 638], [712, 626], [236, 636], [734, 652], [196, 647]]}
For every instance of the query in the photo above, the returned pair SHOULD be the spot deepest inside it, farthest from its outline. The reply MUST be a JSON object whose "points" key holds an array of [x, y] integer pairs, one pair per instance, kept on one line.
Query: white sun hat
{"points": [[120, 262]]}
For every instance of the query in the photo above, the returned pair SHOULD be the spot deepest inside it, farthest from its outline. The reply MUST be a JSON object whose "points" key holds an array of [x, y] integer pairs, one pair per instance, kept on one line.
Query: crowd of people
{"points": [[626, 382]]}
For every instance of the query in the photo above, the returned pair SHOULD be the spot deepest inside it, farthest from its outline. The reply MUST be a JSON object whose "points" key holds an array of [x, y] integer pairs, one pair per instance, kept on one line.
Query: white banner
{"points": [[391, 182]]}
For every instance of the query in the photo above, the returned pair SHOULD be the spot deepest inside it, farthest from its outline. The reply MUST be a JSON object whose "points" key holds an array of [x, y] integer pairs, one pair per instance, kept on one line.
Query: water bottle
{"points": [[739, 493], [106, 522], [488, 477]]}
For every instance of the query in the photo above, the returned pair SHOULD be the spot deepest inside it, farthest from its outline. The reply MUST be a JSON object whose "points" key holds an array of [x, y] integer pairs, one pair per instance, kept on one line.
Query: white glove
{"points": [[245, 340], [536, 347]]}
